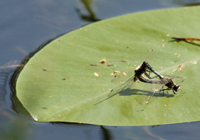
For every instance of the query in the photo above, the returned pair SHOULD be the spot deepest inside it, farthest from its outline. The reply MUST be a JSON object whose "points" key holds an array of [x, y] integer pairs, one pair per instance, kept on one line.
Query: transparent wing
{"points": [[121, 87], [175, 71], [178, 70], [157, 87], [151, 52], [119, 78], [173, 74], [143, 101], [154, 87]]}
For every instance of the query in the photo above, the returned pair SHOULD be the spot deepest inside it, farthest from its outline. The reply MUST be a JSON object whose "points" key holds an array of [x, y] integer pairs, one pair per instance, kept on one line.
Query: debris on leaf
{"points": [[103, 61], [96, 74]]}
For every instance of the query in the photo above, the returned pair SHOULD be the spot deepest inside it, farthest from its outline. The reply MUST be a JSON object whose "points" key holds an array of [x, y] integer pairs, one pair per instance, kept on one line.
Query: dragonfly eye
{"points": [[176, 87]]}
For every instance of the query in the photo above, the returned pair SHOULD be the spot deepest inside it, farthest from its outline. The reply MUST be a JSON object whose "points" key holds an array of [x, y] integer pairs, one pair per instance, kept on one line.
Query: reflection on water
{"points": [[106, 133], [91, 16], [6, 71], [13, 127], [187, 2]]}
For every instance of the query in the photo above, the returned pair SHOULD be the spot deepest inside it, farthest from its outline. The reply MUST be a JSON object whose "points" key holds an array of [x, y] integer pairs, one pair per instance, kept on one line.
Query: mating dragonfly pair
{"points": [[159, 83]]}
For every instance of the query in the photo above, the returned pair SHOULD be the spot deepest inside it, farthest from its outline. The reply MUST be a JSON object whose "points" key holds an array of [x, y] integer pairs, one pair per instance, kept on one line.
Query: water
{"points": [[25, 25]]}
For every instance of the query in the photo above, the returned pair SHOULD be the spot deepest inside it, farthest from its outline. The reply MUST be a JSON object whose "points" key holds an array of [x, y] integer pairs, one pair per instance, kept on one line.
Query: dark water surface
{"points": [[25, 25]]}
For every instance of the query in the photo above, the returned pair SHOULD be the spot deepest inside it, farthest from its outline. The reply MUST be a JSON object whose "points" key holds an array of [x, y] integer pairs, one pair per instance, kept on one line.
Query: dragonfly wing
{"points": [[156, 87], [143, 101], [178, 70], [122, 77], [121, 87], [151, 52]]}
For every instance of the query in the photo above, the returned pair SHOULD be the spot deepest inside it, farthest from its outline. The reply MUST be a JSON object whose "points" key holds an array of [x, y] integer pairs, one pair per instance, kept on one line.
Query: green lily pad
{"points": [[58, 84]]}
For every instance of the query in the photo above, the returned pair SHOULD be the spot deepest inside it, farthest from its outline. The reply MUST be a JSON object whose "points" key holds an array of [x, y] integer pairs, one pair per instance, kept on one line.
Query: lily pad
{"points": [[65, 81]]}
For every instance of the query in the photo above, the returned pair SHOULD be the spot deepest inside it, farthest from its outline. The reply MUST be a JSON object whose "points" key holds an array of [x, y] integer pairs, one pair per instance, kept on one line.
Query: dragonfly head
{"points": [[176, 87]]}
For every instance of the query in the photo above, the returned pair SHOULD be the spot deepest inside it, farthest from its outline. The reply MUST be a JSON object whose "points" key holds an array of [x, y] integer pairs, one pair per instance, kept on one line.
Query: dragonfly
{"points": [[157, 84], [168, 82], [140, 70]]}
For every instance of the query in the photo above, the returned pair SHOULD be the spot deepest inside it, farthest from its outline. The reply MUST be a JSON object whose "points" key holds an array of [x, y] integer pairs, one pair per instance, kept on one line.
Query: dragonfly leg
{"points": [[163, 91], [174, 91], [148, 74]]}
